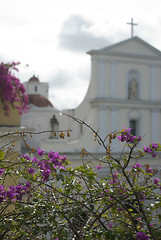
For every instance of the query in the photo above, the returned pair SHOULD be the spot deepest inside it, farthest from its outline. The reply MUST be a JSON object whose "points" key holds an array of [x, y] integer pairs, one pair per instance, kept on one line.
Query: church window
{"points": [[133, 85], [35, 88]]}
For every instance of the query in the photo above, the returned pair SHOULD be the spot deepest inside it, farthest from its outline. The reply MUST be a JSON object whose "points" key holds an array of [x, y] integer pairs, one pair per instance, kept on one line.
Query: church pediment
{"points": [[133, 46]]}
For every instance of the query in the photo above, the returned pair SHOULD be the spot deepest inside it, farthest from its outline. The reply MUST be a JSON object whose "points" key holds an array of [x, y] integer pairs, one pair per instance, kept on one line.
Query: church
{"points": [[124, 91]]}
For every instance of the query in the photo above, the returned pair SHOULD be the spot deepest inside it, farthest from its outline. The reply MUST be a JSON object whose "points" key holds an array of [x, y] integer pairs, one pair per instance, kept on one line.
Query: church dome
{"points": [[39, 100], [34, 79]]}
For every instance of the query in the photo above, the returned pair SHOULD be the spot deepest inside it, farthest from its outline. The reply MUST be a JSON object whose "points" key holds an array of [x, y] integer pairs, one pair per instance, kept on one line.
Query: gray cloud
{"points": [[63, 78], [75, 35], [60, 79]]}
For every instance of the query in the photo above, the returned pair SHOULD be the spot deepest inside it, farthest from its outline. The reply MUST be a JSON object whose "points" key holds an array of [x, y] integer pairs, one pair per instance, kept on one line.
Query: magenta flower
{"points": [[142, 196], [99, 167], [34, 160], [110, 225], [149, 170], [142, 236], [28, 184], [156, 181], [63, 158], [25, 156], [40, 152], [50, 154], [31, 171], [151, 149], [46, 174], [2, 171], [137, 165], [12, 92], [127, 137], [114, 177], [11, 192]]}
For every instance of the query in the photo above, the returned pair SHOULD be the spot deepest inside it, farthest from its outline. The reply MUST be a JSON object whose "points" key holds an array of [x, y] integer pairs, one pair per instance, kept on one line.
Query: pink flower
{"points": [[137, 165], [142, 236], [99, 167], [156, 181], [40, 152], [149, 170], [110, 225], [127, 137], [114, 177], [12, 92], [2, 171], [31, 171], [151, 149]]}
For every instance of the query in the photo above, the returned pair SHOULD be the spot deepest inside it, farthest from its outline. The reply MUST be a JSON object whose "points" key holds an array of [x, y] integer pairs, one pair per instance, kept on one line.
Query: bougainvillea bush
{"points": [[49, 199], [12, 92]]}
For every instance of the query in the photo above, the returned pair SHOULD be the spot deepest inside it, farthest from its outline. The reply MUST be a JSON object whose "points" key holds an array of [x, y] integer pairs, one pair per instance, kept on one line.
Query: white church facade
{"points": [[124, 91]]}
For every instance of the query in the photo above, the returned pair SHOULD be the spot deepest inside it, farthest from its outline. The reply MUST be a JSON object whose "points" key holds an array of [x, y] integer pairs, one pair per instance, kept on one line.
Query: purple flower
{"points": [[142, 196], [156, 181], [46, 174], [110, 225], [34, 160], [127, 137], [137, 165], [63, 158], [154, 145], [11, 90], [99, 167], [2, 193], [114, 177], [1, 199], [19, 188], [31, 171], [10, 194], [154, 154], [152, 148], [50, 154], [142, 236], [149, 170], [25, 156], [139, 138], [119, 209], [40, 152], [1, 188], [1, 171]]}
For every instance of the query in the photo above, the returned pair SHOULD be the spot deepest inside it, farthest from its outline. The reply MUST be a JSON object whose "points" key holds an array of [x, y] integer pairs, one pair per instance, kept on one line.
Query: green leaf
{"points": [[1, 154]]}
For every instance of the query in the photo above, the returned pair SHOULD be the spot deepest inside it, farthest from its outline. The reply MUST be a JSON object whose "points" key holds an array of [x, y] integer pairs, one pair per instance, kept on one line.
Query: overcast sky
{"points": [[53, 36]]}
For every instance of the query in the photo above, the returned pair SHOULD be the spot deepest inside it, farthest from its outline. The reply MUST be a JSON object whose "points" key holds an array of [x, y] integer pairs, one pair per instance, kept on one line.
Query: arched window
{"points": [[133, 85], [35, 88], [134, 117], [134, 124]]}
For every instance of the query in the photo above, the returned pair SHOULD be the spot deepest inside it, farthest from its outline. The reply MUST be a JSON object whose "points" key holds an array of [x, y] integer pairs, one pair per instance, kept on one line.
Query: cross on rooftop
{"points": [[132, 26]]}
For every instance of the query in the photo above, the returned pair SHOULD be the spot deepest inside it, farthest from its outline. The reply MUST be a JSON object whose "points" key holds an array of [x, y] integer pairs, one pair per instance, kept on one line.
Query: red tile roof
{"points": [[34, 79], [39, 101]]}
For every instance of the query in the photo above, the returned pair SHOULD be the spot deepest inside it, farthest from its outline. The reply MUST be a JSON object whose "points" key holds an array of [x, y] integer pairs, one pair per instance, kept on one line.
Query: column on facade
{"points": [[114, 118], [153, 82], [101, 78], [155, 125], [102, 121], [113, 80], [114, 126]]}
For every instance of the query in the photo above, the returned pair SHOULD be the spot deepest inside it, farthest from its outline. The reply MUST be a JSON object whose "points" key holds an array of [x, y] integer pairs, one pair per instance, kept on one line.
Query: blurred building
{"points": [[124, 91], [41, 111]]}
